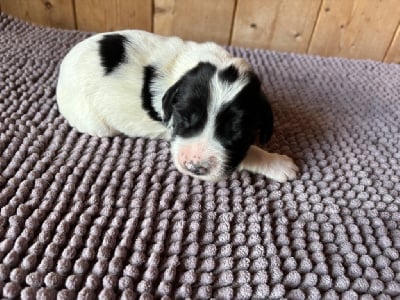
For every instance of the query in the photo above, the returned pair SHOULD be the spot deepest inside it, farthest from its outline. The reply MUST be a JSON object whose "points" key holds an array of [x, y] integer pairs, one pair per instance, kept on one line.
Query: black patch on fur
{"points": [[149, 75], [240, 120], [112, 51], [229, 75], [187, 101]]}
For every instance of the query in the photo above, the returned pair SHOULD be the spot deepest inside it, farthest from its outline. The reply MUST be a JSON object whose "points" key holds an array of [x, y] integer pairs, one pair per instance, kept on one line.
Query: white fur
{"points": [[272, 165], [109, 105]]}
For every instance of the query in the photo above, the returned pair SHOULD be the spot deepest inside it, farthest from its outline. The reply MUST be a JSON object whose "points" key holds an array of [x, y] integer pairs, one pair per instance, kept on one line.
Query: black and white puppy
{"points": [[208, 103]]}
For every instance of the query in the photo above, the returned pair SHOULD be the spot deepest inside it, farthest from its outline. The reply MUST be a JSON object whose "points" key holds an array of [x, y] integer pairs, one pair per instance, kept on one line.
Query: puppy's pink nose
{"points": [[197, 168]]}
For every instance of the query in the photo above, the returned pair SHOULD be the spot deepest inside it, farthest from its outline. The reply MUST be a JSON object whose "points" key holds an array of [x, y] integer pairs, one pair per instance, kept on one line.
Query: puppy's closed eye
{"points": [[186, 123]]}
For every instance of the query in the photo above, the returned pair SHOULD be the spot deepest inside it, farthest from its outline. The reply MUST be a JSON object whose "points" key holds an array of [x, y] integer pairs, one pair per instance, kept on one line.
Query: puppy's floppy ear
{"points": [[266, 119], [168, 101]]}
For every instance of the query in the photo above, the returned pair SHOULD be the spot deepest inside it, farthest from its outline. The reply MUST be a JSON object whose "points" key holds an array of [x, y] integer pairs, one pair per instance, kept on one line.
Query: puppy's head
{"points": [[215, 115]]}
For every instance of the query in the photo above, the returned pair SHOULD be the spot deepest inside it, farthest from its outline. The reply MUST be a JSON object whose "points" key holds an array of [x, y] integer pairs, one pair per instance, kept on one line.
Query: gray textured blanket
{"points": [[111, 218]]}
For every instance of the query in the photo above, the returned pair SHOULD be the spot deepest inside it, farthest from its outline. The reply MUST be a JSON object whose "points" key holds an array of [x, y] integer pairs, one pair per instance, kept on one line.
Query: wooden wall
{"points": [[347, 28]]}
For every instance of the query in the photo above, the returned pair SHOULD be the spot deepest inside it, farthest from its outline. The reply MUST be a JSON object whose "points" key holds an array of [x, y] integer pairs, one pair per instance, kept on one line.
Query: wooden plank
{"points": [[164, 15], [54, 13], [206, 20], [355, 28], [284, 25], [393, 53], [16, 8], [103, 15]]}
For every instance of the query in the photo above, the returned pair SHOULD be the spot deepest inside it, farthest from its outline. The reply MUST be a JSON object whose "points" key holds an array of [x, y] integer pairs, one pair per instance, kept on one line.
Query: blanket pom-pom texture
{"points": [[84, 217]]}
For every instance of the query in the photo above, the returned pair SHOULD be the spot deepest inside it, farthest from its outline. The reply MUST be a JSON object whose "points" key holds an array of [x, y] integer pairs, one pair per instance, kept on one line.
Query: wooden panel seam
{"points": [[392, 42], [74, 13], [315, 25], [233, 22], [355, 29], [153, 13], [281, 25]]}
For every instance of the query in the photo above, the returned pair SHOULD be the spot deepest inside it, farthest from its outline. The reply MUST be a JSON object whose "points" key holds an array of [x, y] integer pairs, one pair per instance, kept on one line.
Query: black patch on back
{"points": [[149, 75], [112, 51], [239, 121], [187, 101], [229, 75]]}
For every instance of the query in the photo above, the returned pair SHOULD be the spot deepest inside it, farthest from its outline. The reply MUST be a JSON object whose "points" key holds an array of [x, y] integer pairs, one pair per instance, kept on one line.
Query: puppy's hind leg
{"points": [[85, 119], [94, 125], [272, 165]]}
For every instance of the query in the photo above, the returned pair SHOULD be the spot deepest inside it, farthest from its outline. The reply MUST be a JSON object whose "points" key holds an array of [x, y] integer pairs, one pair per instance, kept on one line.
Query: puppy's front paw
{"points": [[280, 168]]}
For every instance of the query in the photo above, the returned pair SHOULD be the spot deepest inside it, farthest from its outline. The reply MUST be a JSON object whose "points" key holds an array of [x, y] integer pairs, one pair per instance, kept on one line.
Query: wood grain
{"points": [[355, 28], [101, 15], [284, 25], [393, 53], [347, 28], [206, 20], [163, 19], [54, 13]]}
